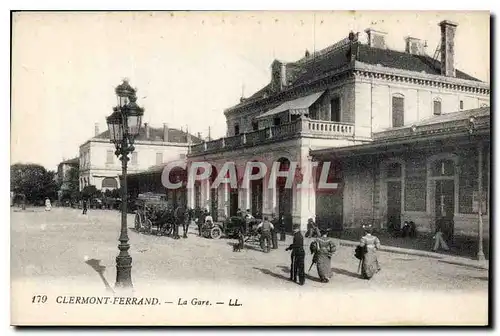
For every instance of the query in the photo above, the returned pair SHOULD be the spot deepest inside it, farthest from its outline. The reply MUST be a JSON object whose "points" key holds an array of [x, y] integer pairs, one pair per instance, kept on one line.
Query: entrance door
{"points": [[257, 198], [394, 205], [285, 206], [233, 202], [445, 205]]}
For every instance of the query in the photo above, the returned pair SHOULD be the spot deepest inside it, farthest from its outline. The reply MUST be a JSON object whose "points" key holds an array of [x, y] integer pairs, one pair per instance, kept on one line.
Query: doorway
{"points": [[393, 205], [256, 192], [444, 198], [285, 206], [233, 202]]}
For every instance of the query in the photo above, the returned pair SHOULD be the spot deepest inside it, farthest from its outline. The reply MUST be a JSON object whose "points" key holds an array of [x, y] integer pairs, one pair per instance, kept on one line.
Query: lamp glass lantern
{"points": [[115, 126], [123, 93], [134, 115]]}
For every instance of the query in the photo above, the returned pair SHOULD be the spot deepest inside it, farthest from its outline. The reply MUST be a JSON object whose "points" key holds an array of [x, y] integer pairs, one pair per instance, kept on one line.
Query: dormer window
{"points": [[437, 107]]}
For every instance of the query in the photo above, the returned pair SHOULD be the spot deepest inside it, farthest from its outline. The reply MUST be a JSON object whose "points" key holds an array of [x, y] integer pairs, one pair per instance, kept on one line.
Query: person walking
{"points": [[322, 249], [48, 206], [439, 241], [369, 245], [84, 206], [265, 236], [297, 256]]}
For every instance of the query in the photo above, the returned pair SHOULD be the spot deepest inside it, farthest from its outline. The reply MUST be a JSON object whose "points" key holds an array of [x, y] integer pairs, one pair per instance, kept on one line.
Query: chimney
{"points": [[279, 75], [448, 48], [199, 135], [96, 129], [414, 46], [165, 132], [376, 39], [188, 135], [146, 126]]}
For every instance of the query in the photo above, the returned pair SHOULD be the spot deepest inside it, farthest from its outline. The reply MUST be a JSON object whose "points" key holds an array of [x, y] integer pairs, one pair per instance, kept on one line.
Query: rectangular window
{"points": [[255, 126], [110, 156], [236, 129], [398, 111], [134, 158], [437, 107], [335, 109], [159, 158], [461, 104], [277, 121]]}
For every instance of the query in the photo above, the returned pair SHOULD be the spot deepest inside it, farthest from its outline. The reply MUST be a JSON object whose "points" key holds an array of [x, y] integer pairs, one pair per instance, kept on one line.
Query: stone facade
{"points": [[99, 164], [356, 80]]}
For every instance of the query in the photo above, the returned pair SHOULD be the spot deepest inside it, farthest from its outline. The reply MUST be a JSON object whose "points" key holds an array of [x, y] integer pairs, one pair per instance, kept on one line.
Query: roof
{"points": [[156, 134], [296, 104], [446, 126], [404, 61], [72, 161], [338, 58]]}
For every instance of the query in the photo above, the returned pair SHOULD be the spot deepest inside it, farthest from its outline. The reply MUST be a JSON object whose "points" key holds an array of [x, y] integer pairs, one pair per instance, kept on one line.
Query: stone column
{"points": [[206, 194], [304, 196]]}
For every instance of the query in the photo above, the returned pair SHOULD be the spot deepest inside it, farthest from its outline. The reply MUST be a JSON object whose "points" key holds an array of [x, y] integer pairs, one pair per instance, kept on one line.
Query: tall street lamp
{"points": [[124, 124]]}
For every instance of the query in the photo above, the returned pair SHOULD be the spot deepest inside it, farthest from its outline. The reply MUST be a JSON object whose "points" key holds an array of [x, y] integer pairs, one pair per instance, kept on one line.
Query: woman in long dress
{"points": [[48, 206], [323, 248], [369, 262]]}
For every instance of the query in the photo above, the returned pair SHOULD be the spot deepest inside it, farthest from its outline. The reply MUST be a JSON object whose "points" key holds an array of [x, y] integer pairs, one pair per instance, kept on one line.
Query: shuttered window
{"points": [[437, 107], [335, 109], [398, 111]]}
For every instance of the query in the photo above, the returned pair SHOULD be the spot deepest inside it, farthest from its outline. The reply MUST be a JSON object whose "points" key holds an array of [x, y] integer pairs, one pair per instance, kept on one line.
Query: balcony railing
{"points": [[300, 127]]}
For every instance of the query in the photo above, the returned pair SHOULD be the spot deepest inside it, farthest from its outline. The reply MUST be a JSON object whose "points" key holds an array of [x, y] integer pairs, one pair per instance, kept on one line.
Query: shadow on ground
{"points": [[271, 273], [461, 264]]}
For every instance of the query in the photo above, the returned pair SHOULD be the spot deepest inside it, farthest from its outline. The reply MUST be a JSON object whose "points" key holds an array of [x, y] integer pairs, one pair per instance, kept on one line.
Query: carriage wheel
{"points": [[148, 226], [137, 222], [215, 233]]}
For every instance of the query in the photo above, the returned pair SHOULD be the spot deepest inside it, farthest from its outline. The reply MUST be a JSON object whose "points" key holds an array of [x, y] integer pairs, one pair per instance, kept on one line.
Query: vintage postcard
{"points": [[250, 168]]}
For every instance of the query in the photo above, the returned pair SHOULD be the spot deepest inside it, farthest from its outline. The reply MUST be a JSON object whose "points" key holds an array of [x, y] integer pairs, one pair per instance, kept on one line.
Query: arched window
{"points": [[437, 106], [443, 185], [398, 110]]}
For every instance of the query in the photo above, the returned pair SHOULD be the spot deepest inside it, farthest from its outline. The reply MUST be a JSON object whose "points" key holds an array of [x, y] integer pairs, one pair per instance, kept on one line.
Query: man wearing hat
{"points": [[312, 229], [298, 256]]}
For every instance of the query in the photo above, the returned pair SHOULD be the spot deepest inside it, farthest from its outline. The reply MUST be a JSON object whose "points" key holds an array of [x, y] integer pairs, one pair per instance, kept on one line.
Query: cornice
{"points": [[294, 91]]}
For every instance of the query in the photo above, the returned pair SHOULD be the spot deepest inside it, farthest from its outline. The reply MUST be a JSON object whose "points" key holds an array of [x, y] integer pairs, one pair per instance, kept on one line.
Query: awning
{"points": [[296, 106]]}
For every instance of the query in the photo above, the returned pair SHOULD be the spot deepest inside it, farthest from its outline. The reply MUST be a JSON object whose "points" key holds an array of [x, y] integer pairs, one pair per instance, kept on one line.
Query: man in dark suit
{"points": [[298, 256]]}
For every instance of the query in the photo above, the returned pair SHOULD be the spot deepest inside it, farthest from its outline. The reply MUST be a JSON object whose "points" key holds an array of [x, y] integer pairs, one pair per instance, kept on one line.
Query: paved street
{"points": [[50, 247], [54, 244]]}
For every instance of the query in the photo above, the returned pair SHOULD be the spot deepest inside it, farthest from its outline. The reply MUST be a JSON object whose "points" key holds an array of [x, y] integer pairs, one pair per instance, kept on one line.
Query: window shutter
{"points": [[398, 111]]}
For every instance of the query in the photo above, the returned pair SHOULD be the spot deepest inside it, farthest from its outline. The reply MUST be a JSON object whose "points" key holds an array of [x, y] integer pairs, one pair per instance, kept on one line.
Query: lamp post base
{"points": [[480, 256], [123, 272]]}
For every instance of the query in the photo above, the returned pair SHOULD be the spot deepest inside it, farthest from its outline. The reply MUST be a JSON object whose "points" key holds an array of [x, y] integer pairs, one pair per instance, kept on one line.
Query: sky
{"points": [[187, 66]]}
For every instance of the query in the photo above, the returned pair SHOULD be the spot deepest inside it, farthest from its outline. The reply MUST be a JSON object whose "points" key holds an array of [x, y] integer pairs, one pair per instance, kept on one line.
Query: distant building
{"points": [[62, 175], [407, 135], [99, 166]]}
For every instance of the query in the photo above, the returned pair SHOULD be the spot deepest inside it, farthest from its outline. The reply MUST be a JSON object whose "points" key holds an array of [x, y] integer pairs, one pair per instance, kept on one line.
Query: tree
{"points": [[73, 179], [91, 191], [34, 181]]}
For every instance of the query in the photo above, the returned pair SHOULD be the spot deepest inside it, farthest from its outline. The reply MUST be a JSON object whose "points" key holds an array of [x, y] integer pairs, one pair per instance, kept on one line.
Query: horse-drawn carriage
{"points": [[153, 214]]}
